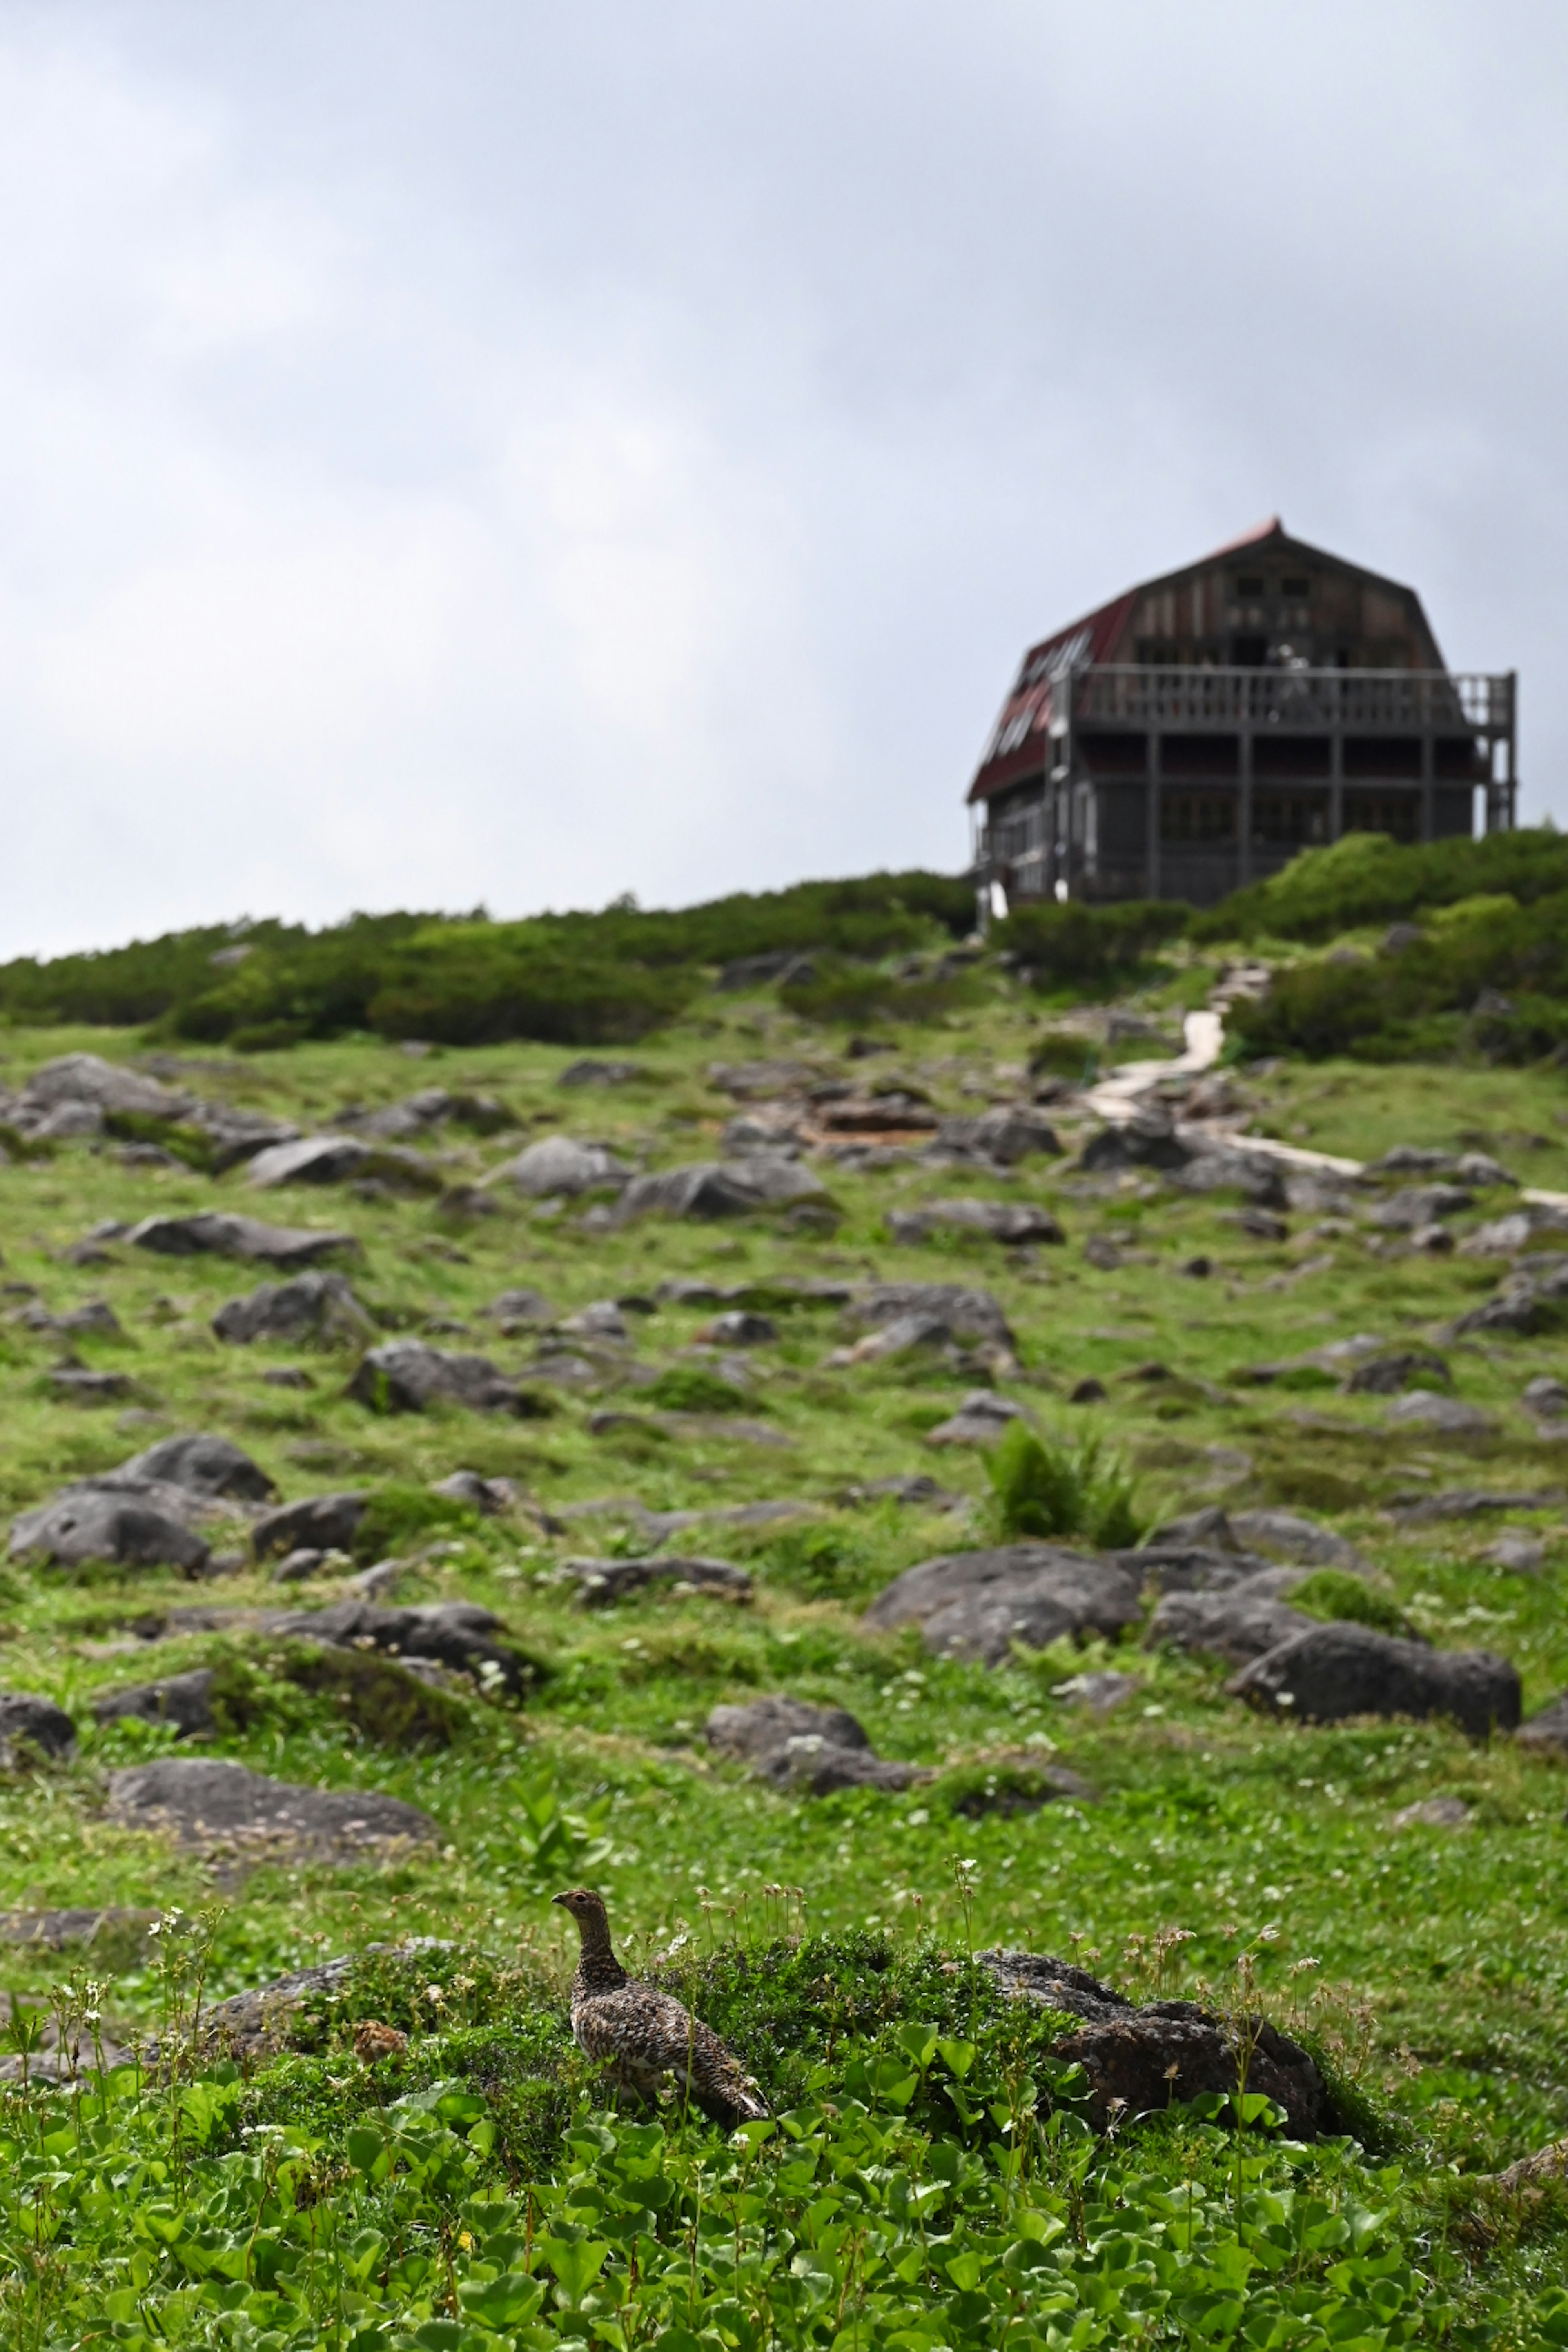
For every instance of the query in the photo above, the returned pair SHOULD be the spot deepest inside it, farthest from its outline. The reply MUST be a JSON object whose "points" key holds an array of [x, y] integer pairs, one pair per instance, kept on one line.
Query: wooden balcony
{"points": [[1356, 701]]}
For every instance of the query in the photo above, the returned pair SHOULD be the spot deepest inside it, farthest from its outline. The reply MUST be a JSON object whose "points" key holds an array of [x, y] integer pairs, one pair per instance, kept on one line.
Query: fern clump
{"points": [[1045, 1487]]}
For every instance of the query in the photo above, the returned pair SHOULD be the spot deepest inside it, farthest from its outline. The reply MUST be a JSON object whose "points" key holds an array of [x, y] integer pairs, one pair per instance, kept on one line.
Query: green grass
{"points": [[1445, 1952]]}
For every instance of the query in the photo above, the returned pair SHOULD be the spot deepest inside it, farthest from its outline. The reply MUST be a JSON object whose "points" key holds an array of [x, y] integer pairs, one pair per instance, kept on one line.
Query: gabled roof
{"points": [[1016, 746]]}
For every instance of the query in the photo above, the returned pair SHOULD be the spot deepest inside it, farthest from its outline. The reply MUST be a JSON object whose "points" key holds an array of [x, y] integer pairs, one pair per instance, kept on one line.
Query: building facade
{"points": [[1195, 733]]}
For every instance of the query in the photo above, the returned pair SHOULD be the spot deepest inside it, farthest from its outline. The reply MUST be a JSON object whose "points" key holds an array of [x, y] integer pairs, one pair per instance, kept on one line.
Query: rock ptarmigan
{"points": [[646, 2034]]}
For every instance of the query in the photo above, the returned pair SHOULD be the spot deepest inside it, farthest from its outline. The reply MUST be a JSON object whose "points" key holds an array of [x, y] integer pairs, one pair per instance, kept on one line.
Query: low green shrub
{"points": [[400, 1514], [1078, 946], [1337, 1597], [857, 993], [1367, 878], [1049, 1486], [687, 1388]]}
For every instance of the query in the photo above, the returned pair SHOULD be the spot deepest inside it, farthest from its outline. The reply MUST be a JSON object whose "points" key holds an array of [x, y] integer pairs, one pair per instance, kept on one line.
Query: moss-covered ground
{"points": [[1439, 1955]]}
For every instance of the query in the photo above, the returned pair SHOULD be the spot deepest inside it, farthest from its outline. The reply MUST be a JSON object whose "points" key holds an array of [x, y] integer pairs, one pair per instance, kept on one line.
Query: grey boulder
{"points": [[976, 1604], [945, 1307], [131, 1527], [980, 1419], [1005, 1134], [797, 1745], [707, 1188], [319, 1523], [1546, 1734], [107, 1085], [313, 1306], [28, 1720], [451, 1633], [1237, 1625], [1424, 1409], [182, 1701], [204, 1802], [601, 1583], [1421, 1204], [202, 1465], [224, 1233], [1012, 1222], [407, 1376], [1328, 1672], [560, 1164], [309, 1160]]}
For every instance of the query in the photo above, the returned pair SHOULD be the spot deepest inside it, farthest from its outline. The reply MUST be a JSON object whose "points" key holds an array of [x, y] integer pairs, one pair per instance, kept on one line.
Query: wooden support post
{"points": [[1428, 768], [1337, 779], [1151, 816], [1244, 811]]}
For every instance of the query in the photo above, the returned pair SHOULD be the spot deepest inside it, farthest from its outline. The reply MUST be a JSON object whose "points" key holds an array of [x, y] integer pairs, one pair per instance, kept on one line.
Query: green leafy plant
{"points": [[1048, 1486], [1336, 1596], [686, 1388]]}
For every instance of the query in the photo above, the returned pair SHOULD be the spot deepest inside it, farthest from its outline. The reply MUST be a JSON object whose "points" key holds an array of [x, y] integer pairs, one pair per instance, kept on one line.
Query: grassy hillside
{"points": [[473, 2190]]}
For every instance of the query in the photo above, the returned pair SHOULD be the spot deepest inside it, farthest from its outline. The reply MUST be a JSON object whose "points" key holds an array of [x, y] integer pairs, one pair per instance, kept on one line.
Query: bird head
{"points": [[586, 1908]]}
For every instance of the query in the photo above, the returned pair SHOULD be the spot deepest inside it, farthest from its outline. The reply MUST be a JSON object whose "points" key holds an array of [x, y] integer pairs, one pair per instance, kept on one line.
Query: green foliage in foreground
{"points": [[1048, 1487], [931, 2180]]}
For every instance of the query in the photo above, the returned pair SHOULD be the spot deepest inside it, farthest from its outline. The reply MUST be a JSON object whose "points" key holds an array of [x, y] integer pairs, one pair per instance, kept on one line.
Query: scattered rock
{"points": [[456, 1634], [1386, 1375], [601, 1583], [516, 1308], [1285, 1535], [1421, 1204], [976, 1604], [488, 1497], [88, 1388], [602, 1073], [319, 1523], [1138, 2059], [1007, 1785], [957, 1313], [1238, 1624], [309, 1160], [182, 1701], [1533, 1298], [223, 1233], [1149, 1139], [202, 1465], [206, 1803], [1424, 1409], [406, 1376], [1101, 1693], [1432, 1814], [28, 1722], [1471, 1503], [714, 1188], [919, 1493], [559, 1164], [1012, 1222], [1477, 1167], [1101, 1254], [1546, 1398], [601, 1320], [738, 1327], [797, 1745], [76, 1078], [1546, 1734], [1411, 1159], [1517, 1553], [1006, 1134], [1089, 1391], [1329, 1671], [980, 1419], [315, 1307], [99, 1521]]}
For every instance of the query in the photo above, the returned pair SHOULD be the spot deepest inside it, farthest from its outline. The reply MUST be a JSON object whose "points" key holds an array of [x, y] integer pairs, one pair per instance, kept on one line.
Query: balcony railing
{"points": [[1369, 701]]}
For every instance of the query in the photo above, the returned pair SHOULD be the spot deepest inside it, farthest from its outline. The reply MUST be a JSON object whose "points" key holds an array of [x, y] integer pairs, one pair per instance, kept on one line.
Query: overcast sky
{"points": [[485, 451]]}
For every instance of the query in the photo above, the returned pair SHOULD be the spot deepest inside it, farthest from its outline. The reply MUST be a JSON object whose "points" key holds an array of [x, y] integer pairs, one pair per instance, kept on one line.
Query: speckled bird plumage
{"points": [[646, 2035]]}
